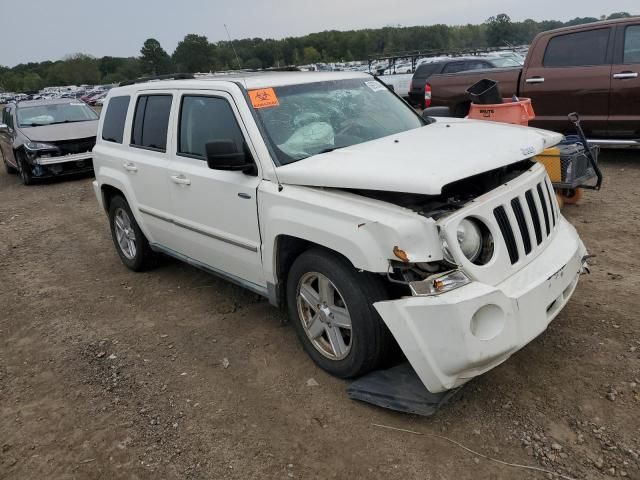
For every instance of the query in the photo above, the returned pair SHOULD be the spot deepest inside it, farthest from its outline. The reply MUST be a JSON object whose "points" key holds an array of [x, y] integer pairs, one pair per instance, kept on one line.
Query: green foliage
{"points": [[253, 63], [311, 55], [154, 60], [195, 54], [617, 15]]}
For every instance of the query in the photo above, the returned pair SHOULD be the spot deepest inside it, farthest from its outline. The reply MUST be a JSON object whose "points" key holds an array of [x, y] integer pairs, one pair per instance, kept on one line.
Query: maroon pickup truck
{"points": [[591, 69]]}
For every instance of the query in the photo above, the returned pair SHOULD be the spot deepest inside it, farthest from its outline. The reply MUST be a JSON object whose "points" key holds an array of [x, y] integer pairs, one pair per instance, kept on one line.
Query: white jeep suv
{"points": [[327, 193]]}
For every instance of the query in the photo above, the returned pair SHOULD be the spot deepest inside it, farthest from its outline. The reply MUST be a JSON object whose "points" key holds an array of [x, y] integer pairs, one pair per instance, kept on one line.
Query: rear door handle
{"points": [[535, 80], [623, 75], [180, 180], [130, 167]]}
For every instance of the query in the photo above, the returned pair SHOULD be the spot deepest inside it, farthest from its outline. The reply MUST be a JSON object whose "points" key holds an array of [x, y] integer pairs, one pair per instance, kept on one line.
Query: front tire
{"points": [[331, 307], [131, 244], [24, 169]]}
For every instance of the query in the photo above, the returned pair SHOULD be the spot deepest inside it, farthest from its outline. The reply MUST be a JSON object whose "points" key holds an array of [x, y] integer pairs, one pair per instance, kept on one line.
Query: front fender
{"points": [[365, 231]]}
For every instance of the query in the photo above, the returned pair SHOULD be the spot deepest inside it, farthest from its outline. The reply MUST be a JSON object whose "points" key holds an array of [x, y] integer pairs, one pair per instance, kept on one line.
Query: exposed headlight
{"points": [[469, 237], [440, 283], [35, 146]]}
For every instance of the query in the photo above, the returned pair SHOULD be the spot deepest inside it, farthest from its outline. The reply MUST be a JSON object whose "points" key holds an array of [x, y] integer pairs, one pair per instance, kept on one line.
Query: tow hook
{"points": [[585, 268]]}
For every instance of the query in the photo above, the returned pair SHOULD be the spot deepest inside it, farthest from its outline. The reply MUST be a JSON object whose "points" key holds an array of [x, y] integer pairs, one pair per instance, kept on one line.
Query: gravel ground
{"points": [[174, 374]]}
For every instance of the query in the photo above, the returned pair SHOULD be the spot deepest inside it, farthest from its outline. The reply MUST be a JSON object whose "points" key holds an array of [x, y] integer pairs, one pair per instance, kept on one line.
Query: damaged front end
{"points": [[53, 159], [474, 237]]}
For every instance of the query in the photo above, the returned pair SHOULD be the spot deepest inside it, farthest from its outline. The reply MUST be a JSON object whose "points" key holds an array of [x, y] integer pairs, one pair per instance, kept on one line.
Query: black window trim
{"points": [[133, 120], [179, 129], [126, 114], [608, 59]]}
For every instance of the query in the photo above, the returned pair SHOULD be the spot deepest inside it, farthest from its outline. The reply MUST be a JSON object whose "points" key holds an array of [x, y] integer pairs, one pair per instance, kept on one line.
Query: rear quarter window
{"points": [[455, 67], [114, 118], [578, 49], [425, 71]]}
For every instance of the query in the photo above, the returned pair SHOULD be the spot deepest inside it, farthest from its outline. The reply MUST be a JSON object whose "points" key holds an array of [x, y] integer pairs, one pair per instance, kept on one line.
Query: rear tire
{"points": [[131, 244], [321, 320]]}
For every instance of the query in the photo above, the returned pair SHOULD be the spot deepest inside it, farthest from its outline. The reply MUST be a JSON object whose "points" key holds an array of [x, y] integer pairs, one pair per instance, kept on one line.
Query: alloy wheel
{"points": [[324, 316], [125, 234]]}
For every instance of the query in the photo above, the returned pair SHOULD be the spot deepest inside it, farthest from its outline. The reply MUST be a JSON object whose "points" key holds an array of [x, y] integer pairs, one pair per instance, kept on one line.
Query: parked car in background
{"points": [[593, 69], [94, 98], [313, 190], [47, 138], [420, 90]]}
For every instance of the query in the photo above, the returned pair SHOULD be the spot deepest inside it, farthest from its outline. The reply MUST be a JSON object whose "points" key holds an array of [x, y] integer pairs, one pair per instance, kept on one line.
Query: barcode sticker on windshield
{"points": [[264, 98], [375, 86], [78, 104]]}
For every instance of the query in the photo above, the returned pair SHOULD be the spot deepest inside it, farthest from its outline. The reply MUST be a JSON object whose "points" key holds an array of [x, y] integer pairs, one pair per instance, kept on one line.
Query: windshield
{"points": [[54, 114], [308, 119]]}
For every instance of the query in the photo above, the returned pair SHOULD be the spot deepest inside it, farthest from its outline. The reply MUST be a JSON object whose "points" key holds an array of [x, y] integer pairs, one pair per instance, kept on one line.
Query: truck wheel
{"points": [[131, 244], [331, 307], [24, 168]]}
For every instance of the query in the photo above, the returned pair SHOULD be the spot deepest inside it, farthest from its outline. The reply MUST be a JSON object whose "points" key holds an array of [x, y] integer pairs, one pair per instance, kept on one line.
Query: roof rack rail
{"points": [[170, 76]]}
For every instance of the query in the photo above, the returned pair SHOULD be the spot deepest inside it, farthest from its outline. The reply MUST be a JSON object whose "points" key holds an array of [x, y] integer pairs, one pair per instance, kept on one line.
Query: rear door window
{"points": [[455, 67], [632, 44], [151, 122], [204, 120], [578, 49], [114, 118], [477, 65]]}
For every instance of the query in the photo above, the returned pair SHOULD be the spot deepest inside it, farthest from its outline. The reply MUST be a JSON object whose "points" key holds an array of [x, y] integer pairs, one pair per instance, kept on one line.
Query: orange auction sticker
{"points": [[264, 98]]}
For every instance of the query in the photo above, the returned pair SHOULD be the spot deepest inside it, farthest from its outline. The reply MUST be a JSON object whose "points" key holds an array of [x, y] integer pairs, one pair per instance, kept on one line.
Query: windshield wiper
{"points": [[66, 121], [329, 150]]}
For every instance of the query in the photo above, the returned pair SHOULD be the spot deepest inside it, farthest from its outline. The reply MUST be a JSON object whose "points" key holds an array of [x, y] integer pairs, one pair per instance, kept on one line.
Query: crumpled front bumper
{"points": [[453, 337]]}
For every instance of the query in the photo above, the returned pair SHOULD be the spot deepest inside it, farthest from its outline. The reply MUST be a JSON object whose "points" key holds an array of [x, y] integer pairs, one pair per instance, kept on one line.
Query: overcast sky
{"points": [[36, 30]]}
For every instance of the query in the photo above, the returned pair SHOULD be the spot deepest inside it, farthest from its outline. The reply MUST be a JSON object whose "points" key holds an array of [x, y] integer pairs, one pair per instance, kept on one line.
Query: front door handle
{"points": [[180, 180], [130, 167], [535, 80], [623, 75]]}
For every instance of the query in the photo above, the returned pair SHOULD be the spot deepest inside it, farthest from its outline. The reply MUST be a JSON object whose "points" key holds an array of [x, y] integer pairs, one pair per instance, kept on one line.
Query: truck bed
{"points": [[450, 90]]}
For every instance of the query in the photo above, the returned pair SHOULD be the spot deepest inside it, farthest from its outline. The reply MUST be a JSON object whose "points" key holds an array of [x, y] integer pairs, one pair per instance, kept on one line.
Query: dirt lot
{"points": [[109, 374]]}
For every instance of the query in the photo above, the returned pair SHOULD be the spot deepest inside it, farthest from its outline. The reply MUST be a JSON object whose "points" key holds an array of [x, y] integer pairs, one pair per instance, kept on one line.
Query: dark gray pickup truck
{"points": [[593, 69]]}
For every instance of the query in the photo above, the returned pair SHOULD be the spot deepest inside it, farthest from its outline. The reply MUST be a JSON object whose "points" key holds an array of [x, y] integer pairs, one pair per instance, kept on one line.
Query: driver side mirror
{"points": [[225, 155], [4, 128]]}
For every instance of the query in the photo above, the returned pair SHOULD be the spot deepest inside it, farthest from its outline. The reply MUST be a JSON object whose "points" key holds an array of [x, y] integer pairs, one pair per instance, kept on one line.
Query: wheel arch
{"points": [[108, 193], [287, 248]]}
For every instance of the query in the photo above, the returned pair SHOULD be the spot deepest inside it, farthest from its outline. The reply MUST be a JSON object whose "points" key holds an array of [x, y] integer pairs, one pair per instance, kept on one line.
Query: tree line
{"points": [[196, 54]]}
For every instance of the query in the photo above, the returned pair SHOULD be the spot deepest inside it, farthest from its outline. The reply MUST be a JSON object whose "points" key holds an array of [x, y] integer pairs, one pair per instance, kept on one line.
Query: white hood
{"points": [[422, 160]]}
